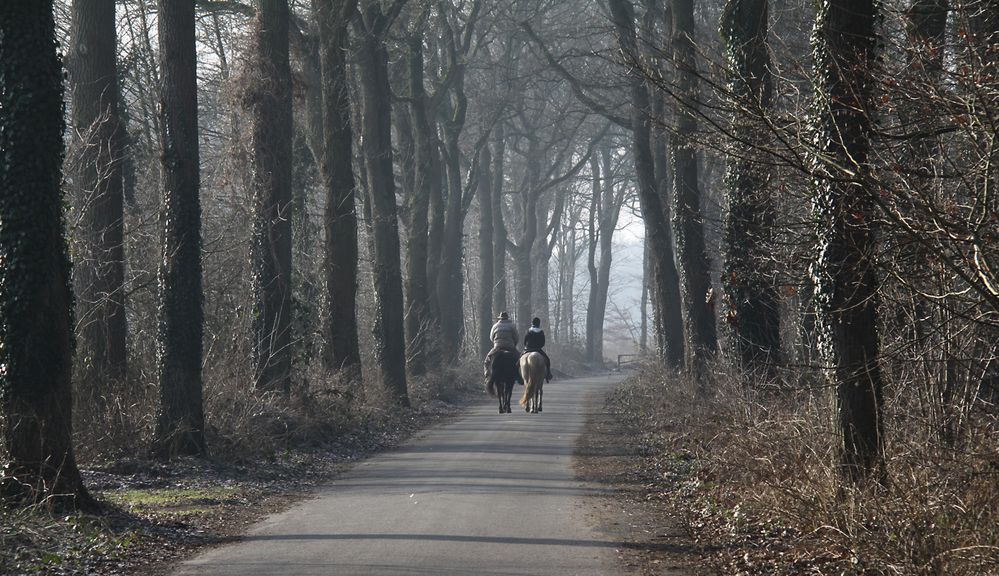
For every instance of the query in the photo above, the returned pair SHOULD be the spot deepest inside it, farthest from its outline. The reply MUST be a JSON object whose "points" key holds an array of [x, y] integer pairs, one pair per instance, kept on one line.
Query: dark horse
{"points": [[504, 375]]}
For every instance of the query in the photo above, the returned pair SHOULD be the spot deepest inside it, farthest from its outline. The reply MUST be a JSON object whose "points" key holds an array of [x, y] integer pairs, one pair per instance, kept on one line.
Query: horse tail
{"points": [[529, 374], [528, 388]]}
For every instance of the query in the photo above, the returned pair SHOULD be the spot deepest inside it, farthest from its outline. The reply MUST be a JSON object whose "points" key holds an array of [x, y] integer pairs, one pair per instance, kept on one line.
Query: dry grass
{"points": [[754, 477]]}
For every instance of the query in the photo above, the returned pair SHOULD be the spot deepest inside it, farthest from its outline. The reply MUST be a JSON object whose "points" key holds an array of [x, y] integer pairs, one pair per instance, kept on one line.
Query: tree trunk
{"points": [[752, 301], [486, 232], [524, 248], [36, 317], [668, 321], [688, 221], [610, 209], [499, 226], [654, 212], [98, 140], [643, 336], [270, 107], [390, 343], [180, 427], [450, 284], [427, 177], [342, 350], [844, 272], [594, 351]]}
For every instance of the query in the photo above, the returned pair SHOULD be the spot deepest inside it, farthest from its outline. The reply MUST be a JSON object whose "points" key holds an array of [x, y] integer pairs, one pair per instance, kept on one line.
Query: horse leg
{"points": [[541, 394]]}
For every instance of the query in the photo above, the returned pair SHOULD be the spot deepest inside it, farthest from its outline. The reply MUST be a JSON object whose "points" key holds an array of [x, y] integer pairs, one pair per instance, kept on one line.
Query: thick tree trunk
{"points": [[845, 273], [752, 301], [688, 220], [486, 233], [36, 317], [270, 107], [390, 342], [180, 427], [654, 211], [342, 351], [98, 135]]}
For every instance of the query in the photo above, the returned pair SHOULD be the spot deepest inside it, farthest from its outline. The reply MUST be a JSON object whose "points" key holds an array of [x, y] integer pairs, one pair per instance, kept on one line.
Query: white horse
{"points": [[532, 370]]}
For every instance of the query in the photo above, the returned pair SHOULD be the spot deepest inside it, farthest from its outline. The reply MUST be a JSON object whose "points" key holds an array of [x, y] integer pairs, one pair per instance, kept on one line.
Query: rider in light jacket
{"points": [[504, 336]]}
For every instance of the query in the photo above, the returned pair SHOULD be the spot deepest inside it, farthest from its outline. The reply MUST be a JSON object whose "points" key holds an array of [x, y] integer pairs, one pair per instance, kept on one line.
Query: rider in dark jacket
{"points": [[534, 341]]}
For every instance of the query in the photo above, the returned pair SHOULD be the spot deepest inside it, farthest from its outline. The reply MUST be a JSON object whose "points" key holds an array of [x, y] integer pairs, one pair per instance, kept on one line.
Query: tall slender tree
{"points": [[486, 233], [180, 425], [98, 137], [500, 234], [605, 209], [654, 209], [342, 351], [688, 219], [269, 102], [36, 318], [372, 55], [844, 273], [426, 179]]}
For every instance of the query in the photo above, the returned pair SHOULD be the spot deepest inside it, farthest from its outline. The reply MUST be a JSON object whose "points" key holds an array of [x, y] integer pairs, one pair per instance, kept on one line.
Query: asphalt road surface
{"points": [[486, 494]]}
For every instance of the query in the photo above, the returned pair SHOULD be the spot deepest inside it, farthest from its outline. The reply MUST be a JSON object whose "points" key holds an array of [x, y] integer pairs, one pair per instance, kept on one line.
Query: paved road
{"points": [[487, 494]]}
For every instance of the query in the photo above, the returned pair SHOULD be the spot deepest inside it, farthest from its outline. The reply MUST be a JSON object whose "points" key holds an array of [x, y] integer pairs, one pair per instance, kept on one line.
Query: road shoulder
{"points": [[611, 456]]}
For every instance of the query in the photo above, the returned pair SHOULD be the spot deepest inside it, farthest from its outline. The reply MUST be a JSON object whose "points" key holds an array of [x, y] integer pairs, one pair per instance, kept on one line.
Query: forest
{"points": [[234, 230]]}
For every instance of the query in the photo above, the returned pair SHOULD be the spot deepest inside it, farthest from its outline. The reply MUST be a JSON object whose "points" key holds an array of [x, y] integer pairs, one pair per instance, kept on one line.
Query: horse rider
{"points": [[534, 341], [504, 336]]}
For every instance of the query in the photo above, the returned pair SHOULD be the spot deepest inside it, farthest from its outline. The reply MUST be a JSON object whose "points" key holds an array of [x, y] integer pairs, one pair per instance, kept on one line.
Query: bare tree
{"points": [[844, 272], [688, 219], [269, 103], [654, 210], [342, 350], [98, 137], [180, 426], [390, 345]]}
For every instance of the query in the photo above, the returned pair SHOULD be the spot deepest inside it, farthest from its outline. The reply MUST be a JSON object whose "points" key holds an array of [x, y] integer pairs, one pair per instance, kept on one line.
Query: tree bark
{"points": [[450, 284], [668, 321], [36, 316], [606, 205], [499, 226], [752, 301], [688, 221], [654, 211], [486, 233], [844, 273], [390, 343], [98, 135], [342, 351], [180, 426], [426, 179], [270, 107]]}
